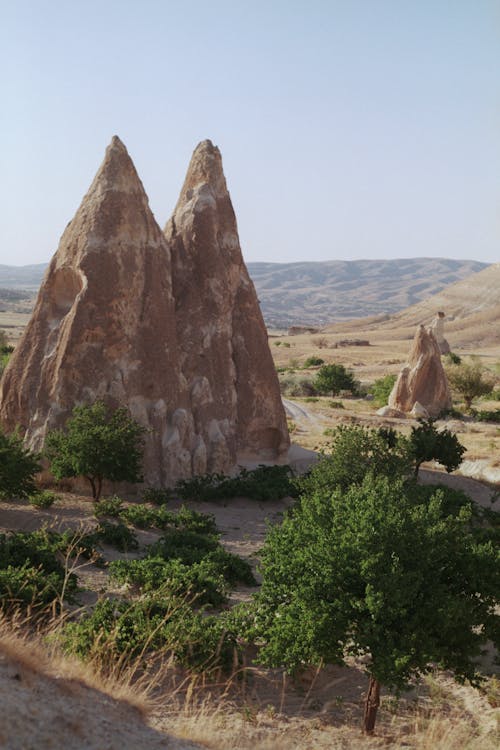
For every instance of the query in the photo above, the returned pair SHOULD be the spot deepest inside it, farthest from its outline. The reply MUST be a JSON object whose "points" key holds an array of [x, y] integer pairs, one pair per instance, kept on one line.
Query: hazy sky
{"points": [[348, 128]]}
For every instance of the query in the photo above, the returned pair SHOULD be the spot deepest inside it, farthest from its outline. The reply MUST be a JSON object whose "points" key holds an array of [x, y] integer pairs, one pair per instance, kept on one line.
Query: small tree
{"points": [[371, 572], [18, 467], [97, 444], [331, 379], [355, 451], [382, 388], [470, 380], [429, 444]]}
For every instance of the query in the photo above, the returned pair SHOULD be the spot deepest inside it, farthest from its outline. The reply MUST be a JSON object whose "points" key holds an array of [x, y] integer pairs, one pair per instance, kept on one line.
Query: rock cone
{"points": [[423, 379], [437, 328], [116, 321], [225, 357]]}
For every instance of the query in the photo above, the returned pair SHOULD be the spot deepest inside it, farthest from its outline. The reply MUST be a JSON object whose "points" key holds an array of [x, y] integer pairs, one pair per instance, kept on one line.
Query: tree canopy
{"points": [[97, 444], [333, 379], [380, 571], [18, 467]]}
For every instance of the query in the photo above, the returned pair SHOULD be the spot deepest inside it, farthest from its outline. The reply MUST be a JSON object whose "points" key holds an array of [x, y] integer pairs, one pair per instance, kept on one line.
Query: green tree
{"points": [[429, 444], [97, 444], [471, 380], [371, 572], [353, 452], [18, 467], [382, 388], [331, 379]]}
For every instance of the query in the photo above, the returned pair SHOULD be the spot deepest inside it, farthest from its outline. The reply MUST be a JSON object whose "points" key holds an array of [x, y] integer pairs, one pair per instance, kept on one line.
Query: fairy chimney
{"points": [[437, 327], [116, 321], [423, 379], [225, 356]]}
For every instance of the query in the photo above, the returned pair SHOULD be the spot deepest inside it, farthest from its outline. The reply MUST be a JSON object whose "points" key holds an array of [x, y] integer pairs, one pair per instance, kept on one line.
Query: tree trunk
{"points": [[371, 705], [94, 490]]}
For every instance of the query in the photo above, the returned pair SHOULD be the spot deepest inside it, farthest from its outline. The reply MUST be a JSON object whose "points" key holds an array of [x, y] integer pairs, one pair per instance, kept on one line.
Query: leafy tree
{"points": [[428, 444], [313, 362], [355, 451], [470, 380], [382, 388], [370, 572], [18, 467], [331, 379], [97, 444]]}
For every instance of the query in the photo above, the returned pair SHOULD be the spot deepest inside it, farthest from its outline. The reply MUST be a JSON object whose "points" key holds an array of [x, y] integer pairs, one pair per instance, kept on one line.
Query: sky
{"points": [[348, 129]]}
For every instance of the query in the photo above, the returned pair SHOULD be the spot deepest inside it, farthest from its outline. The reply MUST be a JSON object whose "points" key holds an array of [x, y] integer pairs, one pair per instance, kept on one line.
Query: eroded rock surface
{"points": [[225, 357], [423, 379], [437, 328], [181, 344]]}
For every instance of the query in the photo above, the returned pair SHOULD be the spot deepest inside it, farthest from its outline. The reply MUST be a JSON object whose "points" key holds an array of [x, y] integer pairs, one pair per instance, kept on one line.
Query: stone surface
{"points": [[419, 412], [108, 324], [423, 379], [225, 357], [437, 327], [387, 411]]}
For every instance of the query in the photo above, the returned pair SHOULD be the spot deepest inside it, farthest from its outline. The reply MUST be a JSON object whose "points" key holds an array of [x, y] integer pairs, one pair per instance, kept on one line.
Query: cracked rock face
{"points": [[423, 379], [107, 325], [225, 358]]}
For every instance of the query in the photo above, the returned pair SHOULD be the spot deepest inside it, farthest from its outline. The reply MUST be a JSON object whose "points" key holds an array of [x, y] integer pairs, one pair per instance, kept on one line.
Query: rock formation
{"points": [[423, 379], [225, 357], [437, 328], [109, 325]]}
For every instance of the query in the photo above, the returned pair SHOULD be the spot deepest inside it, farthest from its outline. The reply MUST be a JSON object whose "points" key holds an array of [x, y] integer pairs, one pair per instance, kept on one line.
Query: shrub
{"points": [[453, 359], [313, 362], [117, 535], [381, 389], [470, 380], [428, 444], [142, 516], [157, 496], [97, 444], [277, 343], [42, 499], [18, 467], [263, 483], [335, 404], [487, 416], [331, 379], [321, 342], [354, 452], [202, 581], [108, 506]]}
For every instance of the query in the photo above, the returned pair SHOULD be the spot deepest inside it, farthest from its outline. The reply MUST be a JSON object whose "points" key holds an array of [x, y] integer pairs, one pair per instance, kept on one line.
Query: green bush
{"points": [[334, 378], [31, 569], [263, 483], [453, 359], [157, 496], [42, 499], [429, 444], [487, 416], [108, 506], [142, 516], [117, 630], [18, 467], [117, 535], [313, 362], [470, 380], [201, 581], [335, 404], [381, 389]]}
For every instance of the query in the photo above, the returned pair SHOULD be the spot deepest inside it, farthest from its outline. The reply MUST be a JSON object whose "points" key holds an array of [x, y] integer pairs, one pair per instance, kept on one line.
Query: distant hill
{"points": [[316, 293], [472, 309]]}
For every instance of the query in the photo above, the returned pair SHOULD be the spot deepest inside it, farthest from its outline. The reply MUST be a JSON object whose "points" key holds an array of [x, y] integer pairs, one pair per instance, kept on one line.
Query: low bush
{"points": [[335, 404], [313, 362], [42, 499], [487, 416], [263, 483], [117, 535], [108, 506], [157, 496], [142, 516], [381, 389], [117, 630]]}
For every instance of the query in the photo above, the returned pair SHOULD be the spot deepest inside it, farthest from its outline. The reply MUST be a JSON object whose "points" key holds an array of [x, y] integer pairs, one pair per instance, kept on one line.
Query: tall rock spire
{"points": [[225, 359], [103, 326]]}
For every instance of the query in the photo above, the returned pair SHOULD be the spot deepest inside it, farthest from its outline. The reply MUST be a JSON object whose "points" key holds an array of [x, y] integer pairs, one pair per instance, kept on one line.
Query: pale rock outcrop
{"points": [[387, 411], [225, 358], [181, 346], [437, 327], [423, 379]]}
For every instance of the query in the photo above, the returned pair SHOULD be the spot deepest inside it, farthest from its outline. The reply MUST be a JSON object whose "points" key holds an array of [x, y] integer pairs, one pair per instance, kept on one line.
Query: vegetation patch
{"points": [[263, 483]]}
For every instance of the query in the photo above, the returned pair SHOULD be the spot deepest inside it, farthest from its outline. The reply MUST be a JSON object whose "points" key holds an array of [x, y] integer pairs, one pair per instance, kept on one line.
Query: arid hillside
{"points": [[304, 293]]}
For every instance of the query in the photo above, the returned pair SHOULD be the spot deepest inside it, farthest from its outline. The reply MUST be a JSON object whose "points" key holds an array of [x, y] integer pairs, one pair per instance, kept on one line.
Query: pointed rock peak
{"points": [[117, 171], [205, 167]]}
